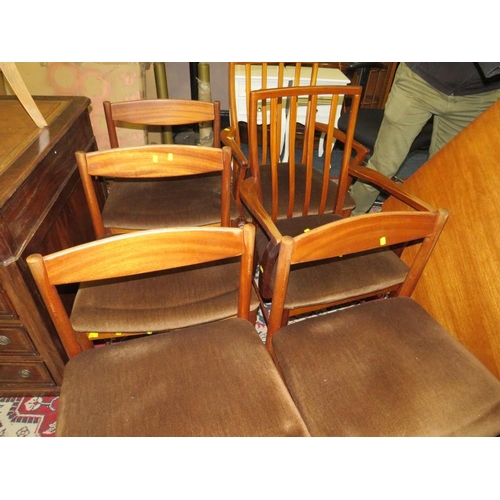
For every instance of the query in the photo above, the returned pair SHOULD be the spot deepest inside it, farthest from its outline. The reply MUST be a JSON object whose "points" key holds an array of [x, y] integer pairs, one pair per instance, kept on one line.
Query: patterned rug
{"points": [[28, 416]]}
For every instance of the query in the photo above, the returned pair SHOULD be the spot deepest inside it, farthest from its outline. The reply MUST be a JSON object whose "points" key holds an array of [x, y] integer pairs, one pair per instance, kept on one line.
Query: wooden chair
{"points": [[214, 379], [168, 185], [245, 77], [172, 299], [335, 281], [170, 113], [384, 367], [160, 113]]}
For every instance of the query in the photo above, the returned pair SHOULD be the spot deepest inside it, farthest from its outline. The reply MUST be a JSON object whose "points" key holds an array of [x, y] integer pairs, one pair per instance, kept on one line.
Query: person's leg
{"points": [[408, 108], [459, 112]]}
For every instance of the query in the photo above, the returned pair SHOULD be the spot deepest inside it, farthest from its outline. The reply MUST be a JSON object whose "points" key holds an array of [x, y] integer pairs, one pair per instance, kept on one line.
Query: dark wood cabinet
{"points": [[42, 209]]}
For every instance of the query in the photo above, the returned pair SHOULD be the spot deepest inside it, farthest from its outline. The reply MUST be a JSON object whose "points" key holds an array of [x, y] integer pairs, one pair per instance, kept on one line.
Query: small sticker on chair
{"points": [[155, 158], [306, 230], [93, 335], [383, 241]]}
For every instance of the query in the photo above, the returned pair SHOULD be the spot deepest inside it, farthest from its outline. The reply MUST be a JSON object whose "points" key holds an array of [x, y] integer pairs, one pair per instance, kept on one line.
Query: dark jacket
{"points": [[459, 78]]}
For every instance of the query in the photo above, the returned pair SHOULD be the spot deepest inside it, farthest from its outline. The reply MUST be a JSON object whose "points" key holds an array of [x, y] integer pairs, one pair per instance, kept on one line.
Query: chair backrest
{"points": [[153, 162], [247, 76], [354, 235], [137, 253], [161, 112], [296, 126]]}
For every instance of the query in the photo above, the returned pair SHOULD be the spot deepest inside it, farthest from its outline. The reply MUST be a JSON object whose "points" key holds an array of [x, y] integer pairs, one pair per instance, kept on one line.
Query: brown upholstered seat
{"points": [[386, 368], [383, 367], [159, 301], [168, 185], [318, 285], [214, 379], [148, 203], [172, 202]]}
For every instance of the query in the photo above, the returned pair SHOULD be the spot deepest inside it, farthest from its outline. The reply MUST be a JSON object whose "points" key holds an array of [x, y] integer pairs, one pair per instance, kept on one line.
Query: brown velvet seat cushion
{"points": [[283, 187], [215, 380], [173, 202], [386, 368], [335, 279], [159, 301]]}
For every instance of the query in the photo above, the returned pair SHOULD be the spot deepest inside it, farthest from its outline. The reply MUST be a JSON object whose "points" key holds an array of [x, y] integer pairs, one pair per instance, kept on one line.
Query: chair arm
{"points": [[361, 150], [250, 196], [380, 181], [249, 192], [227, 138], [240, 165]]}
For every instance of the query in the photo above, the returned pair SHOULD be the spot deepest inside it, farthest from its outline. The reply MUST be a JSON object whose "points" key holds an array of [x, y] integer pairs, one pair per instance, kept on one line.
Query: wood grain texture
{"points": [[460, 286], [42, 209]]}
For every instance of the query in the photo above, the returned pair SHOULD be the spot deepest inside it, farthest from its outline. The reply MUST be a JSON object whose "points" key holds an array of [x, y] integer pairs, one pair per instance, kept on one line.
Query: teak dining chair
{"points": [[292, 171], [214, 379], [384, 367], [168, 185], [246, 77], [320, 285], [171, 113], [149, 303], [160, 112]]}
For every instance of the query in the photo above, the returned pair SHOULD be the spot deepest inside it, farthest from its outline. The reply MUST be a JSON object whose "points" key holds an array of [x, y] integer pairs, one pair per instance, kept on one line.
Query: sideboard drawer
{"points": [[15, 340], [24, 372]]}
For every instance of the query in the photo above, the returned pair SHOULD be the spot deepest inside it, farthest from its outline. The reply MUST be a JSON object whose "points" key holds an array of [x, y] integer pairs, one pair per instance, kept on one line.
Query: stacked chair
{"points": [[379, 365], [189, 192], [214, 379], [195, 297], [383, 367], [267, 76]]}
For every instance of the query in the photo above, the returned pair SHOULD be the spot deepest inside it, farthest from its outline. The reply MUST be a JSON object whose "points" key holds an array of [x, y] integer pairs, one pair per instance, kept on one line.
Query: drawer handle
{"points": [[25, 373], [4, 340]]}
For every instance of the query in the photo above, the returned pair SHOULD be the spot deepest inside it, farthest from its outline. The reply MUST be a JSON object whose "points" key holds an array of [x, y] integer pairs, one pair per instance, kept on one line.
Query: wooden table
{"points": [[461, 284], [42, 209]]}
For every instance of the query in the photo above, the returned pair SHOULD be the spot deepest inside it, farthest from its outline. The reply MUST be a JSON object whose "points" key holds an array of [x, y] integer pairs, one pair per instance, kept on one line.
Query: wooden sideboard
{"points": [[42, 209], [460, 286]]}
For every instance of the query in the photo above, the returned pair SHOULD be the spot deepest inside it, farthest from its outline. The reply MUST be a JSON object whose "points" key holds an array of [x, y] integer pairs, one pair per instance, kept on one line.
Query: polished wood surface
{"points": [[42, 209], [461, 284]]}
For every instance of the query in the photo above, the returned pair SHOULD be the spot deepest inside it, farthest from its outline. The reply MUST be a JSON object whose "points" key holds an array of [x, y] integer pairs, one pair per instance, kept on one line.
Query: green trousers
{"points": [[409, 106]]}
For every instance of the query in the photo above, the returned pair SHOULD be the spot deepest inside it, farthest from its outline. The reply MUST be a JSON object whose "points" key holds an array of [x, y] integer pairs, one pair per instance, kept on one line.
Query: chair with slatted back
{"points": [[333, 282], [295, 194], [383, 367], [170, 113], [244, 77], [167, 185], [212, 379]]}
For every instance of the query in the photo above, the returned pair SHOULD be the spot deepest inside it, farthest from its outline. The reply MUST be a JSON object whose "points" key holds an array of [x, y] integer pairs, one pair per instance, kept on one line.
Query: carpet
{"points": [[28, 416]]}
